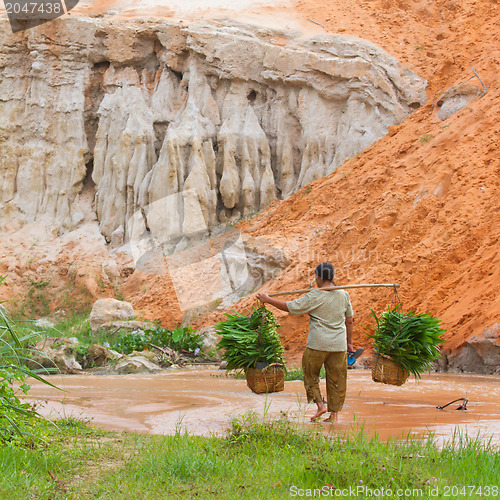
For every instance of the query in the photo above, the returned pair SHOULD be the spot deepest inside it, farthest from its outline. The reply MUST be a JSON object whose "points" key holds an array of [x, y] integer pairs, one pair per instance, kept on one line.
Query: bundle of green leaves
{"points": [[247, 340], [410, 339]]}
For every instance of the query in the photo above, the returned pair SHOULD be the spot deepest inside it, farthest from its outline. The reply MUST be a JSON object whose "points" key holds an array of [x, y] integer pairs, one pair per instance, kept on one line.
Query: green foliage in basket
{"points": [[410, 339], [249, 339]]}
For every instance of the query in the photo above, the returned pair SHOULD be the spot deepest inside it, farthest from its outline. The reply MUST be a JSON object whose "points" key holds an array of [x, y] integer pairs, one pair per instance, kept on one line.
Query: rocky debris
{"points": [[125, 326], [109, 311], [167, 356], [210, 339], [65, 355], [456, 98], [56, 354], [97, 356], [210, 121], [150, 361], [480, 354], [44, 323]]}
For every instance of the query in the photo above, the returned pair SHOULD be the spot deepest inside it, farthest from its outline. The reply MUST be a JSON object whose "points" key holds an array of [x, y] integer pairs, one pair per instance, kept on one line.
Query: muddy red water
{"points": [[203, 401]]}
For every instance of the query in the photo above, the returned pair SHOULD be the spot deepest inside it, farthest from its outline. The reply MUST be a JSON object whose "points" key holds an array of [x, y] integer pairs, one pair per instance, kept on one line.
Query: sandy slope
{"points": [[420, 207]]}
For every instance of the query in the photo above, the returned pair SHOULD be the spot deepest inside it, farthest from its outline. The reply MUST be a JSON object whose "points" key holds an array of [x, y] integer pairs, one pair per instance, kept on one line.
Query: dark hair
{"points": [[325, 271]]}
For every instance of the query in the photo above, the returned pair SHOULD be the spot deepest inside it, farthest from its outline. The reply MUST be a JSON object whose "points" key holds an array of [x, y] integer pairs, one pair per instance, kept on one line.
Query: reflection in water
{"points": [[203, 401]]}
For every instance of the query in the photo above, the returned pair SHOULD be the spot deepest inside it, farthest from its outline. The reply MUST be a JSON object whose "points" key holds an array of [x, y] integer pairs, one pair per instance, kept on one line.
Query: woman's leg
{"points": [[336, 382], [312, 361]]}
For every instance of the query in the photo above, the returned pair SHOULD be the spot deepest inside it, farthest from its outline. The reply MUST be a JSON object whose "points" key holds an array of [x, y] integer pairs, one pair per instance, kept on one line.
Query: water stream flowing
{"points": [[202, 401]]}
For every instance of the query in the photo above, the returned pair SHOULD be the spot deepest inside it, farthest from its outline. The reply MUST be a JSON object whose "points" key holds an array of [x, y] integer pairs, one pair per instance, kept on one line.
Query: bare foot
{"points": [[321, 411], [333, 418]]}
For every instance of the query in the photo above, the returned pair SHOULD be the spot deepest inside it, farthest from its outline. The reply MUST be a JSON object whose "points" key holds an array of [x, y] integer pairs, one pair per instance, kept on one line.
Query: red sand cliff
{"points": [[420, 207]]}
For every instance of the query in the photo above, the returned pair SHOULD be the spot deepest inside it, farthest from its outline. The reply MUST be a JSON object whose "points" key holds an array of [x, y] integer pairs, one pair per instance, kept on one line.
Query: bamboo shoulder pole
{"points": [[364, 285]]}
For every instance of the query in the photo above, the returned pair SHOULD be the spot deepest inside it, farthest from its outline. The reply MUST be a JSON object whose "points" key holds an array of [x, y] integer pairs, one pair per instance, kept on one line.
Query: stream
{"points": [[202, 401]]}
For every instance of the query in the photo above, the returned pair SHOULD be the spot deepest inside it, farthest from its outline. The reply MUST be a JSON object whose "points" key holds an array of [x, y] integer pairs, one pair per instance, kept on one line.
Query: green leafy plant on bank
{"points": [[18, 419], [247, 340], [410, 339], [180, 339]]}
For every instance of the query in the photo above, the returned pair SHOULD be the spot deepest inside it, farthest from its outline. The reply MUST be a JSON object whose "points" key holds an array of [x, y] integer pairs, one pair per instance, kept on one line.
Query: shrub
{"points": [[17, 419], [180, 339]]}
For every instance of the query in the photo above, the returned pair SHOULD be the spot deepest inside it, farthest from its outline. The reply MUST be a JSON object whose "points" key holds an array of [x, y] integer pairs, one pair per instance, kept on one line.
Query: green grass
{"points": [[256, 459], [426, 138], [74, 326], [298, 374]]}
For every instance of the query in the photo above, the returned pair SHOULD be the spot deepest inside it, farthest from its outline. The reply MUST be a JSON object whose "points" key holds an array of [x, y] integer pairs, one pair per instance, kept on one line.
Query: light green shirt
{"points": [[327, 314]]}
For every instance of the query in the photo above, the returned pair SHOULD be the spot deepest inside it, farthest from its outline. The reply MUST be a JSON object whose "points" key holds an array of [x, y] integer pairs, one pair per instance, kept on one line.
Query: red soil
{"points": [[421, 207]]}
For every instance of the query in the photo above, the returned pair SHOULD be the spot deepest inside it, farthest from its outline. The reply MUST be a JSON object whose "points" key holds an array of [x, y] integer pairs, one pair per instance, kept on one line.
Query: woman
{"points": [[330, 336]]}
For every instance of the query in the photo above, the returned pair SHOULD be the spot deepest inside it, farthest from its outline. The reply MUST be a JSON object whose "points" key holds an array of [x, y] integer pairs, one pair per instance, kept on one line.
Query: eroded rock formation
{"points": [[179, 129]]}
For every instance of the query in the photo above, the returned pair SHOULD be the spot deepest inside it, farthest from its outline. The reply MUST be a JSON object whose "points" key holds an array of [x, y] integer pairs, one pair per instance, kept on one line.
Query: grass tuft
{"points": [[257, 458]]}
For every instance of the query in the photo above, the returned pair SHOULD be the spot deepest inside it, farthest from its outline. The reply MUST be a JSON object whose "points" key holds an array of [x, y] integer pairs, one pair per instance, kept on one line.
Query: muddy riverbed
{"points": [[203, 401]]}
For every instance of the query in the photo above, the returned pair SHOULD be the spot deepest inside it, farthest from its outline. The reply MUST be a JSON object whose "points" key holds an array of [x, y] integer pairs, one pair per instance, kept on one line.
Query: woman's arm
{"points": [[280, 304], [349, 328]]}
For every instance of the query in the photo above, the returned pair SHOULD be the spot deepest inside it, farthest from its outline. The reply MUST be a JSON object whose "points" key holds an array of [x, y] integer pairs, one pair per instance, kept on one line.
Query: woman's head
{"points": [[325, 271]]}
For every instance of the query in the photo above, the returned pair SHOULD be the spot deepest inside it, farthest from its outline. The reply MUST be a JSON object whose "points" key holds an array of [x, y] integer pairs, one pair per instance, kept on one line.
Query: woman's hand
{"points": [[265, 299]]}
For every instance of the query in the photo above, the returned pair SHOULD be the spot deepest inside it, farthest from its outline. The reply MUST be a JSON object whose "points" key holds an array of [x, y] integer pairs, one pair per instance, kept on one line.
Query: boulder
{"points": [[150, 355], [480, 354], [56, 353], [109, 311], [135, 364], [456, 98], [97, 355]]}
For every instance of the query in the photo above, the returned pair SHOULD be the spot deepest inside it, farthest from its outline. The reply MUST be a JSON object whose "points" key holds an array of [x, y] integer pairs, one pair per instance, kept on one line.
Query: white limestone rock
{"points": [[160, 122], [135, 364], [109, 310], [456, 98]]}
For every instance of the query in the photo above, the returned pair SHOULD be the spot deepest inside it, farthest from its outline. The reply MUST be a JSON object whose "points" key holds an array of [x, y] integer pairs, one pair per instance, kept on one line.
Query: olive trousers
{"points": [[336, 377]]}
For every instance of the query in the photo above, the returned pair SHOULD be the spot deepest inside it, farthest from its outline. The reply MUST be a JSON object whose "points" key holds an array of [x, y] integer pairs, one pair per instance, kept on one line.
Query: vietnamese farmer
{"points": [[329, 338]]}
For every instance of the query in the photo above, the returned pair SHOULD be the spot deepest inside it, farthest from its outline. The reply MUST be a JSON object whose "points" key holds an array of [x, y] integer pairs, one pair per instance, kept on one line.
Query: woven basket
{"points": [[269, 379], [387, 371]]}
